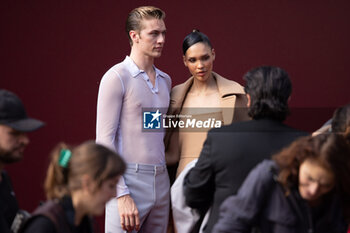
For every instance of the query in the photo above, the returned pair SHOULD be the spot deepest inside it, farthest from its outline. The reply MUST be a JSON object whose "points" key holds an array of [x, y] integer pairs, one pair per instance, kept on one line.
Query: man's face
{"points": [[12, 144], [150, 40]]}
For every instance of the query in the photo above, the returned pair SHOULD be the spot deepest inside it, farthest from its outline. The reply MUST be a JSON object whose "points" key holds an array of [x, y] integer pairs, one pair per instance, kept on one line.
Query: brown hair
{"points": [[88, 158], [135, 17], [332, 151]]}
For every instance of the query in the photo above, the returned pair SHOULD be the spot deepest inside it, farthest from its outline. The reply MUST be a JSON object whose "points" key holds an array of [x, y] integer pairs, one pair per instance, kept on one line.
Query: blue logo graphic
{"points": [[151, 120]]}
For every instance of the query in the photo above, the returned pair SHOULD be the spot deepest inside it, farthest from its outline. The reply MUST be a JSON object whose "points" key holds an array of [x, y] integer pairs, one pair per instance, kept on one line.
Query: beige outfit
{"points": [[191, 143], [186, 144]]}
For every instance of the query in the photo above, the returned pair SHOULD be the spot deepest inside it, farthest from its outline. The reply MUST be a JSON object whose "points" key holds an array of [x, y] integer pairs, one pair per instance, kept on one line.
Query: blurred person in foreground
{"points": [[78, 184], [304, 188], [14, 126]]}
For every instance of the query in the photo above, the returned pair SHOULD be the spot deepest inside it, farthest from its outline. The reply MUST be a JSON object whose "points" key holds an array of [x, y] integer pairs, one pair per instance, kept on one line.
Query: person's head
{"points": [[198, 55], [268, 89], [316, 165], [341, 119], [146, 30], [14, 124], [88, 173]]}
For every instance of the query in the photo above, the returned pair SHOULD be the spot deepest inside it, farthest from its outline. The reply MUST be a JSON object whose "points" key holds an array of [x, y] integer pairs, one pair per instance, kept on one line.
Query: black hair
{"points": [[341, 119], [269, 88], [193, 38]]}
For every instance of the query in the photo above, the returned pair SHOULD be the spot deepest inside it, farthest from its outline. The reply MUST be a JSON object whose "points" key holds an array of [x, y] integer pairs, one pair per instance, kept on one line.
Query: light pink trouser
{"points": [[149, 187]]}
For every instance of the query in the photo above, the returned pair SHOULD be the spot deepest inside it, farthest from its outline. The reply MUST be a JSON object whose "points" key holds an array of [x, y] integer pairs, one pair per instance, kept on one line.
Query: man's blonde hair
{"points": [[138, 14]]}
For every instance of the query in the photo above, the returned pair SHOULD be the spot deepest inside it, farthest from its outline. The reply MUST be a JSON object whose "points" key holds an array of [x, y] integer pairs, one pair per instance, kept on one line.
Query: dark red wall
{"points": [[54, 53]]}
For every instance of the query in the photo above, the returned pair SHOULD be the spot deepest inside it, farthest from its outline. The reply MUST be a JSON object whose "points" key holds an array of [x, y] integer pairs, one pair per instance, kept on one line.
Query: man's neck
{"points": [[142, 61]]}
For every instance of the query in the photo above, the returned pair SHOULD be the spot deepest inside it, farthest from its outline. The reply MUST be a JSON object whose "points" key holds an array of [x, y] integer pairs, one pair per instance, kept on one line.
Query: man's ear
{"points": [[134, 35], [248, 100]]}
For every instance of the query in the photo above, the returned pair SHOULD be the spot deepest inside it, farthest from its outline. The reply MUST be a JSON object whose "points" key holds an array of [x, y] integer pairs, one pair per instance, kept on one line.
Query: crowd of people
{"points": [[253, 173]]}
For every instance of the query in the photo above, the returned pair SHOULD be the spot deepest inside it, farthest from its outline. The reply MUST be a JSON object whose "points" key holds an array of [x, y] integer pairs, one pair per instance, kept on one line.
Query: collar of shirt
{"points": [[135, 72]]}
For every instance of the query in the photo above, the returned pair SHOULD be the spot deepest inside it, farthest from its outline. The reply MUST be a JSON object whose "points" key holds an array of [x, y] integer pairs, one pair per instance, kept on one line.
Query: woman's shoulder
{"points": [[227, 85], [178, 91], [265, 172], [185, 85], [49, 215], [177, 88], [40, 224]]}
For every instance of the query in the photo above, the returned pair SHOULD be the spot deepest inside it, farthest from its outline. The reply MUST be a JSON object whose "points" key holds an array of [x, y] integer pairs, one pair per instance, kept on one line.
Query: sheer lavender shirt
{"points": [[124, 91]]}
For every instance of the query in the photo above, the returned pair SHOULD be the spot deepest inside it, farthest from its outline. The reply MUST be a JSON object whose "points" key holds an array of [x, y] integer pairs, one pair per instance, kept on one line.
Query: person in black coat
{"points": [[305, 188], [14, 126], [229, 153]]}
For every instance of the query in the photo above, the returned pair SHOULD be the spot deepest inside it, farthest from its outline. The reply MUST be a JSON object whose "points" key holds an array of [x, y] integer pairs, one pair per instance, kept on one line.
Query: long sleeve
{"points": [[4, 228], [238, 213], [199, 183], [109, 104]]}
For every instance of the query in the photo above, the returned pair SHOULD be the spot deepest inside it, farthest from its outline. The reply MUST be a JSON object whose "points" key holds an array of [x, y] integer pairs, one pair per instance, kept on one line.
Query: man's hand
{"points": [[129, 215]]}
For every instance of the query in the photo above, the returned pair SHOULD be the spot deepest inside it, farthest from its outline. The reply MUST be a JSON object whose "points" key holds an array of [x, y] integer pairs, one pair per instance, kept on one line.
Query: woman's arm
{"points": [[238, 213]]}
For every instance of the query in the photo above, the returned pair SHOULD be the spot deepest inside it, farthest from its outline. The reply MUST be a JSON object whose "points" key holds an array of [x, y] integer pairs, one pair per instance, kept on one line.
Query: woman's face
{"points": [[199, 59], [100, 196], [314, 180]]}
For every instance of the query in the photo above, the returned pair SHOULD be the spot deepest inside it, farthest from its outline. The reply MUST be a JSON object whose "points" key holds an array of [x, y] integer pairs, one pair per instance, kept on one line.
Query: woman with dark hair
{"points": [[205, 95], [305, 188], [78, 184], [340, 122]]}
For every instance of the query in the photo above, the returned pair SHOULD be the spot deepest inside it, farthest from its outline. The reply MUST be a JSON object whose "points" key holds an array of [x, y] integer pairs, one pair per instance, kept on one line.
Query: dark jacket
{"points": [[228, 154], [8, 203], [261, 202], [56, 217]]}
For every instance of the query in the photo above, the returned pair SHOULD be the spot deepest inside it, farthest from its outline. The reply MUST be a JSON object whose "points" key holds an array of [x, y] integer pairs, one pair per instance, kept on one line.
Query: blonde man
{"points": [[142, 202]]}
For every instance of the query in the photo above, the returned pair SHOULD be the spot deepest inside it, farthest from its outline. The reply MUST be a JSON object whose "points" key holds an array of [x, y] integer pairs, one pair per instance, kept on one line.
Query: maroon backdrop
{"points": [[54, 53]]}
